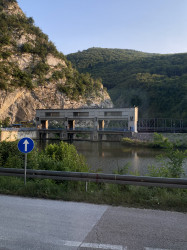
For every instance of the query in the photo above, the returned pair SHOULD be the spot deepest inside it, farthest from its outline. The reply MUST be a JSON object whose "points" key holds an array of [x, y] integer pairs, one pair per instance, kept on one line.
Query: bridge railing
{"points": [[114, 129], [87, 129], [80, 129], [162, 125]]}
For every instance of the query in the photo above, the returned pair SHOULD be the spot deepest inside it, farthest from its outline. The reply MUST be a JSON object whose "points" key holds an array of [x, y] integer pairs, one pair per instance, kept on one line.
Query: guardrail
{"points": [[100, 178]]}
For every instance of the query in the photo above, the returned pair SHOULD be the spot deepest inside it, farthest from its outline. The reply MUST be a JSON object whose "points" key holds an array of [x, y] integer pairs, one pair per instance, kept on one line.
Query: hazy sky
{"points": [[158, 26]]}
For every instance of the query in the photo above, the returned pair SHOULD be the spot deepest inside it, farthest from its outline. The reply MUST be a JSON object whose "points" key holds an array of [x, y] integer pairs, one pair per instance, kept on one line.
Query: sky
{"points": [[155, 26]]}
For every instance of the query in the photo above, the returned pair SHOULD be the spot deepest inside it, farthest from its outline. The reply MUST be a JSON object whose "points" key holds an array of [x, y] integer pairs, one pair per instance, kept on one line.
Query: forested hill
{"points": [[156, 83]]}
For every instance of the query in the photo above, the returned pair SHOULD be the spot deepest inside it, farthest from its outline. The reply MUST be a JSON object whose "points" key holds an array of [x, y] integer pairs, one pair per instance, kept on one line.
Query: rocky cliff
{"points": [[34, 75]]}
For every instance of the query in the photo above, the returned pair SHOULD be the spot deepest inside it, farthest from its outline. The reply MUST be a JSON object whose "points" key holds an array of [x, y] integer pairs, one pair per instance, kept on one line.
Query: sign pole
{"points": [[25, 172], [25, 145]]}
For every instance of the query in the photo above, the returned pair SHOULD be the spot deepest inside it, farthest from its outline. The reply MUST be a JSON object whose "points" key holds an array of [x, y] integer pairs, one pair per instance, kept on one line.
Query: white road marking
{"points": [[71, 243], [150, 248], [102, 246], [92, 245]]}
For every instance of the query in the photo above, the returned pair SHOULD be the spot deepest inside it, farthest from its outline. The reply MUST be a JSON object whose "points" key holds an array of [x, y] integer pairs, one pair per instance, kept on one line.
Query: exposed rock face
{"points": [[20, 105], [34, 75], [12, 8]]}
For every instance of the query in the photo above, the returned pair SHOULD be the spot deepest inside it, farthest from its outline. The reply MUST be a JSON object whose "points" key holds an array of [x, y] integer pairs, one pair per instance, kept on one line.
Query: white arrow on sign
{"points": [[26, 143]]}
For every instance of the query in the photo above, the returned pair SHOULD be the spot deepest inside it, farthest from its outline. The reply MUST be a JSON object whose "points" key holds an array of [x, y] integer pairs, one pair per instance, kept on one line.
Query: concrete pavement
{"points": [[33, 224]]}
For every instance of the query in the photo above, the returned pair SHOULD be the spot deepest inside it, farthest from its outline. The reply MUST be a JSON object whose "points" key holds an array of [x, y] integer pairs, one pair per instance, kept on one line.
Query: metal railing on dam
{"points": [[98, 178], [171, 125]]}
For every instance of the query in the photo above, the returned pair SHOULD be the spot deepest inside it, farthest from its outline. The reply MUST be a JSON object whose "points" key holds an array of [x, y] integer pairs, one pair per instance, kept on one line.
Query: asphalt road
{"points": [[35, 224]]}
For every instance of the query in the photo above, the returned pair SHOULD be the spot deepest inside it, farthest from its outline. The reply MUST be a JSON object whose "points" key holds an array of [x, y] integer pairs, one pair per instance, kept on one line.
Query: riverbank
{"points": [[179, 140]]}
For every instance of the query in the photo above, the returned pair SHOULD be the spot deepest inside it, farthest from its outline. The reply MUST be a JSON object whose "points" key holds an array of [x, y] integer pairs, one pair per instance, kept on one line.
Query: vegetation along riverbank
{"points": [[156, 140], [64, 157]]}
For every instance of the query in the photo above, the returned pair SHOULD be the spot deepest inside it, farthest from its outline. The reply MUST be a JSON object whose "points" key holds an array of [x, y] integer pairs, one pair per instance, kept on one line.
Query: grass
{"points": [[111, 194], [135, 142]]}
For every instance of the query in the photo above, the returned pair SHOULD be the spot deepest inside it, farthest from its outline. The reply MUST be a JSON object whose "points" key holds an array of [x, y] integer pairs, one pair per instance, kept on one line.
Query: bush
{"points": [[40, 69], [4, 39], [6, 54], [57, 157], [160, 141], [9, 155], [58, 75], [26, 48], [172, 160], [62, 157]]}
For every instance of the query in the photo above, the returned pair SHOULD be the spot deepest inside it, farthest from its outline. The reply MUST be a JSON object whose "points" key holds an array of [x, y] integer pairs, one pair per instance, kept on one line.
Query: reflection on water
{"points": [[110, 156]]}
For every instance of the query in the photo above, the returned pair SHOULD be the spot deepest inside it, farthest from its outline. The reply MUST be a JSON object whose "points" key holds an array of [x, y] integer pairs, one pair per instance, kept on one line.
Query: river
{"points": [[111, 156], [107, 157]]}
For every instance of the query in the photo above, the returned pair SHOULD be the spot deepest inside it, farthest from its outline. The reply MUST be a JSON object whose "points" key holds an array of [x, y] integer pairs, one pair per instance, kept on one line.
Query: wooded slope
{"points": [[156, 83]]}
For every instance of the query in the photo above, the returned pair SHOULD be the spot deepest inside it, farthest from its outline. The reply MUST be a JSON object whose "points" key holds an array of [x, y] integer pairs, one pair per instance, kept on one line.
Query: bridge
{"points": [[92, 123], [170, 125]]}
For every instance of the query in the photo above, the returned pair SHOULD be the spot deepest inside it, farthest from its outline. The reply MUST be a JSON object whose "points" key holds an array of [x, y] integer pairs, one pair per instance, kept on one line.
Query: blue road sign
{"points": [[26, 145]]}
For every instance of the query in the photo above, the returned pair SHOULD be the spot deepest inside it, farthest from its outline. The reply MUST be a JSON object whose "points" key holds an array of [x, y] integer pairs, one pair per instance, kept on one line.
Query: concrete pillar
{"points": [[43, 136], [66, 123], [94, 136], [102, 137], [70, 137], [133, 120], [96, 124], [71, 124], [101, 124], [45, 124], [63, 135]]}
